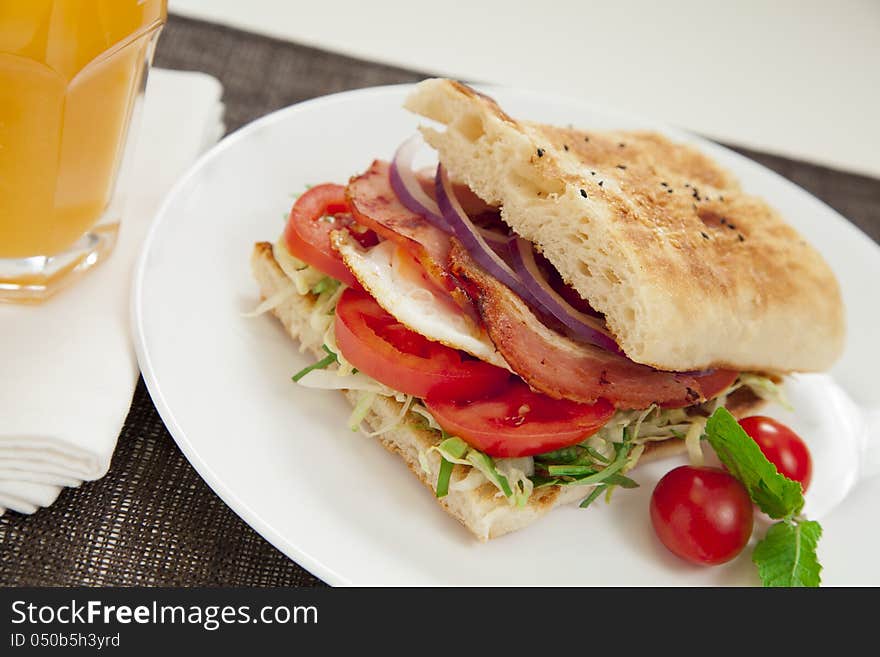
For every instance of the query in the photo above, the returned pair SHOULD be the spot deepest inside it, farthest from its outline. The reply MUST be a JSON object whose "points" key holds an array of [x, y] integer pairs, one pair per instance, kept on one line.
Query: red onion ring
{"points": [[583, 326], [498, 242], [524, 278], [472, 238], [407, 188]]}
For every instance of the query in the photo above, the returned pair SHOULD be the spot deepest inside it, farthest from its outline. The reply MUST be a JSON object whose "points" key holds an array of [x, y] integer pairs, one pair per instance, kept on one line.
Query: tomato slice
{"points": [[377, 344], [316, 213], [517, 421]]}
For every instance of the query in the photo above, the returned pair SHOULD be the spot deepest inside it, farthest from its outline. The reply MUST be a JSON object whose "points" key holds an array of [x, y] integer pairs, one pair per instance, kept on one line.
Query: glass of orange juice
{"points": [[71, 76]]}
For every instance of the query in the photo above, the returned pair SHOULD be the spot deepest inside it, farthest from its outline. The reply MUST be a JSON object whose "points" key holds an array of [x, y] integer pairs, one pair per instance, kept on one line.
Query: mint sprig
{"points": [[776, 495], [786, 556]]}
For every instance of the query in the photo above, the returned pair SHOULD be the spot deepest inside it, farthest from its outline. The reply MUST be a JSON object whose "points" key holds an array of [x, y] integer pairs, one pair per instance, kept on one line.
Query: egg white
{"points": [[412, 302]]}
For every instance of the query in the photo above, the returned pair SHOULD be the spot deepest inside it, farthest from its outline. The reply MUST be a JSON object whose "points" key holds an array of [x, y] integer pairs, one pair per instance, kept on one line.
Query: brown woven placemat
{"points": [[152, 520]]}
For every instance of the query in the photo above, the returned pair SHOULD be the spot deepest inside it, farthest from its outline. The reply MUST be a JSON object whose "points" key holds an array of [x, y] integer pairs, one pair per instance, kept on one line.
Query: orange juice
{"points": [[70, 71]]}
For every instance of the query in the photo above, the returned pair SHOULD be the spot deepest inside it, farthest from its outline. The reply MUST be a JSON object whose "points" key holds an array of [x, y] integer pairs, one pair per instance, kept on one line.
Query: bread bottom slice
{"points": [[481, 509]]}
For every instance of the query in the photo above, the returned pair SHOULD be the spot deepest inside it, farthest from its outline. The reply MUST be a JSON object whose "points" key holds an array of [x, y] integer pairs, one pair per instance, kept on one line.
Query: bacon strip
{"points": [[375, 205], [564, 369]]}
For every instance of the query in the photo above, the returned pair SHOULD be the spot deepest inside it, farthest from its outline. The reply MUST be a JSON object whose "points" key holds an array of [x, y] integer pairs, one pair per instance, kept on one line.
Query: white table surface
{"points": [[796, 78]]}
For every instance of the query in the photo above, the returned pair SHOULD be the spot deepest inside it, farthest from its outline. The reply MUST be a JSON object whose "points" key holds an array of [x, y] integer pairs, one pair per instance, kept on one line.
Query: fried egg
{"points": [[388, 274]]}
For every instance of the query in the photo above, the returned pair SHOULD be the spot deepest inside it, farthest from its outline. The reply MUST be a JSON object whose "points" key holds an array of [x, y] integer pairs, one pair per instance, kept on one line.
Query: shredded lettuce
{"points": [[273, 301], [443, 477], [397, 421], [345, 368], [765, 388], [303, 276], [327, 283], [485, 464], [633, 458], [430, 422], [455, 448], [518, 472], [584, 468], [452, 449], [424, 462], [692, 441], [653, 423], [603, 459], [510, 476], [361, 409], [308, 280], [327, 379], [471, 481]]}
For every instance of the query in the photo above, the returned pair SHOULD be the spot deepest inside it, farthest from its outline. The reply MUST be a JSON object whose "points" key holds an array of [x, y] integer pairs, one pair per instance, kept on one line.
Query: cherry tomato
{"points": [[378, 345], [782, 447], [316, 213], [704, 515], [516, 421]]}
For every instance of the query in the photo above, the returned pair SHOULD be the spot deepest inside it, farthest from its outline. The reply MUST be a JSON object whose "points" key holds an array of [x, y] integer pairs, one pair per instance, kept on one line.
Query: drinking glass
{"points": [[72, 75]]}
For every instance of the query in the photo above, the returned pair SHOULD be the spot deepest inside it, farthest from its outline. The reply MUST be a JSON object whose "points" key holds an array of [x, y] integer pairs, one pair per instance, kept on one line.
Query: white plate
{"points": [[335, 501]]}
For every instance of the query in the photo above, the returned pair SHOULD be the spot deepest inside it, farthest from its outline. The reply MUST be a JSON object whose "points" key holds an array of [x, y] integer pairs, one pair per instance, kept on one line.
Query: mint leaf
{"points": [[787, 554], [776, 495]]}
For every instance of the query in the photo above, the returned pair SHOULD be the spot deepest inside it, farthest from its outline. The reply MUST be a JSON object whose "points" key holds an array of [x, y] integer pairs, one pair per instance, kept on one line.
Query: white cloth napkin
{"points": [[67, 367]]}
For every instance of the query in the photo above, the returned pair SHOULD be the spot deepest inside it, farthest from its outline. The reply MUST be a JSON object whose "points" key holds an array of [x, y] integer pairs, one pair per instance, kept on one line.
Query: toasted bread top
{"points": [[690, 271]]}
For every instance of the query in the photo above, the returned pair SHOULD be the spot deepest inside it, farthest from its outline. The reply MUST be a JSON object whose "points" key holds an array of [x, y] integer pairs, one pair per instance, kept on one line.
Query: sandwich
{"points": [[546, 308]]}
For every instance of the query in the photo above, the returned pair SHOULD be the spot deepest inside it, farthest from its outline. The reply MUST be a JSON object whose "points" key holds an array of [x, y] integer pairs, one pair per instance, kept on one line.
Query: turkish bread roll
{"points": [[690, 272]]}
